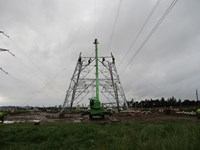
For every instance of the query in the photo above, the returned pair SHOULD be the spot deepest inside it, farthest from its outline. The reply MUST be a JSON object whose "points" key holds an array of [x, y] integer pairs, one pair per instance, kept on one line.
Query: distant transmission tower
{"points": [[83, 83]]}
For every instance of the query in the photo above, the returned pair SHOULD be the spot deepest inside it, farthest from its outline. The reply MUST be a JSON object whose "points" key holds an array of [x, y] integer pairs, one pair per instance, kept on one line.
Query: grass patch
{"points": [[165, 135]]}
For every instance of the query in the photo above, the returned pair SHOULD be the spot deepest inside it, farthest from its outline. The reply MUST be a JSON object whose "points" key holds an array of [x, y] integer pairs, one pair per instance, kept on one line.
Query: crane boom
{"points": [[97, 70], [95, 106]]}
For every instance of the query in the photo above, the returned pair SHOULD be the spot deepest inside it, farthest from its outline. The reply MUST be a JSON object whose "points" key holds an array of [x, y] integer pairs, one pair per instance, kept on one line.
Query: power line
{"points": [[27, 67], [17, 79], [155, 87], [147, 38], [4, 34], [140, 31], [3, 49], [3, 70], [38, 91], [151, 33], [44, 86], [114, 25], [19, 48]]}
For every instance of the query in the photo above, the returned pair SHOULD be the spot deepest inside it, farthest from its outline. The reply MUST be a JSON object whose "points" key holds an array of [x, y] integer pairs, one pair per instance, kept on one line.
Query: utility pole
{"points": [[197, 95]]}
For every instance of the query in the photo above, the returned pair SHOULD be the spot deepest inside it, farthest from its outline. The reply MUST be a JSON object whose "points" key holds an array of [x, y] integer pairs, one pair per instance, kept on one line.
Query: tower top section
{"points": [[96, 41]]}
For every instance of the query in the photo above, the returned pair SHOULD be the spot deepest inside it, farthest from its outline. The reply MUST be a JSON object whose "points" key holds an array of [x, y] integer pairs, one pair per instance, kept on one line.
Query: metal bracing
{"points": [[82, 83]]}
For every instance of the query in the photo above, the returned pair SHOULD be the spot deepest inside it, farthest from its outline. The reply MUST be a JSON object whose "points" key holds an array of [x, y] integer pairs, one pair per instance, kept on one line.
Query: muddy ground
{"points": [[44, 117]]}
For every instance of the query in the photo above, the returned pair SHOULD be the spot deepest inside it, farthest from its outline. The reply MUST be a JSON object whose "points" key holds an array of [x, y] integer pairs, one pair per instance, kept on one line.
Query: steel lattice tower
{"points": [[83, 83]]}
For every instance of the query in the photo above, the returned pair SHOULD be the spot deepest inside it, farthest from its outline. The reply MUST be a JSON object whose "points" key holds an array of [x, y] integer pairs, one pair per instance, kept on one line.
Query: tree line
{"points": [[170, 102]]}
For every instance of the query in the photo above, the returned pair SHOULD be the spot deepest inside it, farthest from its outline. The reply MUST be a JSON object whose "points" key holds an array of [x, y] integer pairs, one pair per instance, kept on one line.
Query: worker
{"points": [[113, 59], [103, 59], [198, 113], [2, 116], [89, 61], [79, 59]]}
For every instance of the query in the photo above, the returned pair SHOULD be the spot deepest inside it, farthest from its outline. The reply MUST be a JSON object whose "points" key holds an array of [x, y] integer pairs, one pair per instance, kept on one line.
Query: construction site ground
{"points": [[44, 117]]}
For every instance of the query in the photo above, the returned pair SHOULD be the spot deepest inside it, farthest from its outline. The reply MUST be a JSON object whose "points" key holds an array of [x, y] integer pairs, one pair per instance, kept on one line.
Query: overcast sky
{"points": [[47, 36]]}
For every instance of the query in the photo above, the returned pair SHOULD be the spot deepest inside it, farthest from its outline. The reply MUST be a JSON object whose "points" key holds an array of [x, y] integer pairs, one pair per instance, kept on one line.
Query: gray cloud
{"points": [[52, 34]]}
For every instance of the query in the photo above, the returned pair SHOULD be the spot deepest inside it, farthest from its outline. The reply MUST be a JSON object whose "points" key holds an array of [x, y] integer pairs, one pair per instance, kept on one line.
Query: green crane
{"points": [[95, 107]]}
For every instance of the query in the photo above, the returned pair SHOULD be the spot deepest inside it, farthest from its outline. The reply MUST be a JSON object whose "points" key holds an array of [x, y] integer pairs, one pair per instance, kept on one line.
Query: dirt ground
{"points": [[154, 117], [44, 117]]}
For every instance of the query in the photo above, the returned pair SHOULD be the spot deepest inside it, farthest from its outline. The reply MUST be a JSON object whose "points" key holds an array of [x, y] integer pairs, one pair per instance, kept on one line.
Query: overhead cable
{"points": [[140, 31], [27, 67], [3, 49], [4, 34], [114, 25], [151, 33], [3, 71], [19, 48], [44, 86], [21, 51]]}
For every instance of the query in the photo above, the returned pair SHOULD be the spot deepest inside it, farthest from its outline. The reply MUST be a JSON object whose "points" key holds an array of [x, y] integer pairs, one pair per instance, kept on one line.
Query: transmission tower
{"points": [[82, 85]]}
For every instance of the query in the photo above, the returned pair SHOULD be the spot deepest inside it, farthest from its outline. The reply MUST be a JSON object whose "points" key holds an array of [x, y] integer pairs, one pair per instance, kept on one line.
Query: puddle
{"points": [[19, 121]]}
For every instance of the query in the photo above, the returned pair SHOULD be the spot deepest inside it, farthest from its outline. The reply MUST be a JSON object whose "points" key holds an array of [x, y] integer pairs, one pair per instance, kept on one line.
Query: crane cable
{"points": [[140, 31], [151, 33]]}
